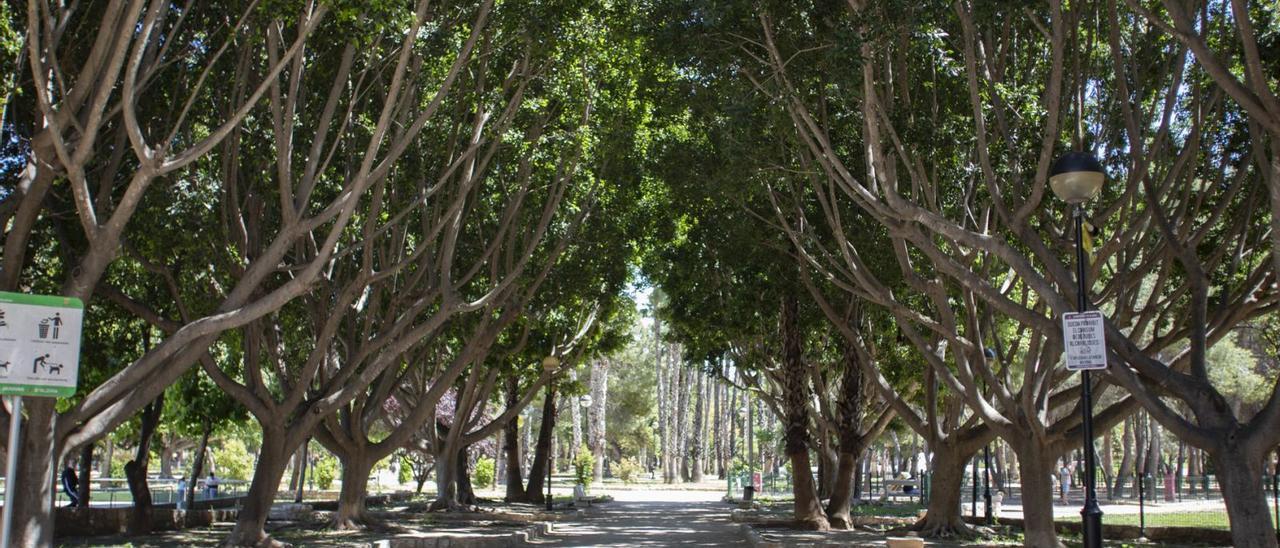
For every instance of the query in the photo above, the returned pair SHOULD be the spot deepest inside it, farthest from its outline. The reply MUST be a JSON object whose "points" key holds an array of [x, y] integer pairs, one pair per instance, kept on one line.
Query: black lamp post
{"points": [[986, 459], [1075, 178], [550, 364]]}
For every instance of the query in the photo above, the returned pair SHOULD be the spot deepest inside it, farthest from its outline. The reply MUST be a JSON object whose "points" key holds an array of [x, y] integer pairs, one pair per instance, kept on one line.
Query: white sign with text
{"points": [[39, 344], [1084, 340]]}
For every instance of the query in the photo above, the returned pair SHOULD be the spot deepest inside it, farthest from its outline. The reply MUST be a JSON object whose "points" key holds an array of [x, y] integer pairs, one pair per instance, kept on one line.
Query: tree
{"points": [[1159, 251]]}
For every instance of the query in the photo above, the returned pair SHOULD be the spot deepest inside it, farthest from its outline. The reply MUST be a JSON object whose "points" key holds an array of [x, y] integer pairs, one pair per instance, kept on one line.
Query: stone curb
{"points": [[531, 532]]}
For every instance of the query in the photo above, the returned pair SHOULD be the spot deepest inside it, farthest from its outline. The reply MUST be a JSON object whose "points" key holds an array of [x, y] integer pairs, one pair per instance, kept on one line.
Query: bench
{"points": [[896, 488]]}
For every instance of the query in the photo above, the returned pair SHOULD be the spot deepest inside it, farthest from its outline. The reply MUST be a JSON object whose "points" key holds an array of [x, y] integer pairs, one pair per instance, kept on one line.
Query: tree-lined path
{"points": [[458, 249]]}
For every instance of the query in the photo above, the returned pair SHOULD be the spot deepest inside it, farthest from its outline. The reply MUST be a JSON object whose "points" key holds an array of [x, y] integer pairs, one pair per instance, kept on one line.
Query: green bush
{"points": [[583, 466], [232, 460], [325, 471], [484, 472], [629, 470], [406, 470]]}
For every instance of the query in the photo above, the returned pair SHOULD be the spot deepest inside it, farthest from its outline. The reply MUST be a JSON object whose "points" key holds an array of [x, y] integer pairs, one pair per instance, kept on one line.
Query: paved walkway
{"points": [[651, 518]]}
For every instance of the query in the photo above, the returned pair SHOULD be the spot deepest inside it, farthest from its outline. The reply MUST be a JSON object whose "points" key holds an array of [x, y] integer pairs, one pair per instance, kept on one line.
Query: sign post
{"points": [[1084, 340], [39, 356]]}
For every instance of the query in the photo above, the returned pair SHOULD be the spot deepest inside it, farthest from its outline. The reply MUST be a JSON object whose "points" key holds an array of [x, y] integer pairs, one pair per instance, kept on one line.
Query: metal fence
{"points": [[1155, 501], [112, 492]]}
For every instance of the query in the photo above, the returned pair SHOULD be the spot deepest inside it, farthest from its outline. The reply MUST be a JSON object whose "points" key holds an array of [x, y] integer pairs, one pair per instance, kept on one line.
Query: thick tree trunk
{"points": [[273, 458], [542, 451], [511, 446], [808, 508], [34, 482], [842, 494], [466, 493], [352, 512], [943, 517], [1036, 466], [1243, 491], [453, 485]]}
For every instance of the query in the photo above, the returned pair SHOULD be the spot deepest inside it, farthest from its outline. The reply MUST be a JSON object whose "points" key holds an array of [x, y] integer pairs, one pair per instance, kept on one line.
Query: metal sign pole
{"points": [[11, 470]]}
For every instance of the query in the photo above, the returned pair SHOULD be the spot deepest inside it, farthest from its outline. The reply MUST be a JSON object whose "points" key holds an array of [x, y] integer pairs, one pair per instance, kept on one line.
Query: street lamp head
{"points": [[1076, 177], [585, 400], [550, 364]]}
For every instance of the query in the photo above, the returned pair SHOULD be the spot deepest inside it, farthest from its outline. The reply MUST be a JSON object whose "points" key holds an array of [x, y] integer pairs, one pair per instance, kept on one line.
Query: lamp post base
{"points": [[1091, 518]]}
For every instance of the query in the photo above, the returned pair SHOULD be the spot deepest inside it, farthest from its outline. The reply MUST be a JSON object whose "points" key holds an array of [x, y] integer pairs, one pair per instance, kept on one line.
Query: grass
{"points": [[888, 510], [1208, 519]]}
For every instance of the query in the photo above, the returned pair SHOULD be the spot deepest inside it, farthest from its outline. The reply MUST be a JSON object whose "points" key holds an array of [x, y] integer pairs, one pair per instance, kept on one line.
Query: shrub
{"points": [[629, 470], [325, 471], [233, 460], [584, 465], [484, 472]]}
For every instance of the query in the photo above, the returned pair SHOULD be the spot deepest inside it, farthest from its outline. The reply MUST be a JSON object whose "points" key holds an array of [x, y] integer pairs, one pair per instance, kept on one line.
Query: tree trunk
{"points": [[300, 469], [1126, 458], [84, 487], [542, 451], [859, 473], [842, 494], [1036, 466], [197, 464], [682, 423], [943, 517], [466, 493], [808, 508], [718, 437], [699, 421], [453, 489], [511, 446], [34, 481], [166, 461], [108, 454], [575, 416], [273, 458], [135, 471], [596, 415], [1108, 481], [1244, 492], [352, 512]]}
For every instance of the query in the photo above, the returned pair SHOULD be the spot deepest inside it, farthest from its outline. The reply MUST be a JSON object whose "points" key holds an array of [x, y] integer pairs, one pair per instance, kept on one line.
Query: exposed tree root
{"points": [[445, 505], [943, 528], [360, 521], [813, 524], [841, 521]]}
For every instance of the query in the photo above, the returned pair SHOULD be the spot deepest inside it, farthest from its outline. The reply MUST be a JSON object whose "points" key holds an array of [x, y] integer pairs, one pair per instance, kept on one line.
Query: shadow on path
{"points": [[649, 523]]}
